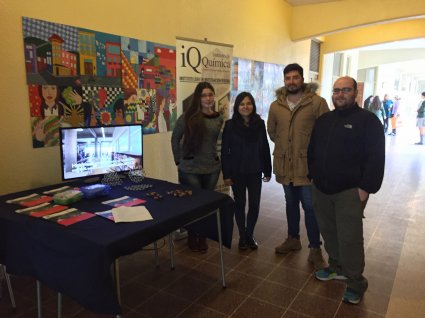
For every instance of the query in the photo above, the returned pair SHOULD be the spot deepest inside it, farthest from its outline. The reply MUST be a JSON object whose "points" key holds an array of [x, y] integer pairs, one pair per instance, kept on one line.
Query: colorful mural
{"points": [[80, 77], [259, 78]]}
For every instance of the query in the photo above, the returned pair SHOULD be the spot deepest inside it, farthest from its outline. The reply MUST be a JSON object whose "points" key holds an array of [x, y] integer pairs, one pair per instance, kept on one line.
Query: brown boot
{"points": [[316, 259], [290, 244], [202, 244]]}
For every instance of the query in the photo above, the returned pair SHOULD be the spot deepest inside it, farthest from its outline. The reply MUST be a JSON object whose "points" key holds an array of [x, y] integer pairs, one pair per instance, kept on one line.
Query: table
{"points": [[76, 260]]}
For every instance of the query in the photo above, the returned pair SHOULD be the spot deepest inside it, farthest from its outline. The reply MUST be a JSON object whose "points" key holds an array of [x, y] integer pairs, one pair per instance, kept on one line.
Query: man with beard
{"points": [[290, 122], [346, 159]]}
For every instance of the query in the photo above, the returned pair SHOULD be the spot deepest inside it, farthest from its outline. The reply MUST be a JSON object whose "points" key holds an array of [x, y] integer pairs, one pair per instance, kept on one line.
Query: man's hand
{"points": [[363, 195]]}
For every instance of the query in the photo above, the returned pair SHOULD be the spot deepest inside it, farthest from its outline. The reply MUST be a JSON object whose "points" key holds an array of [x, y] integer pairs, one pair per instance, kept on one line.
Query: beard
{"points": [[293, 89]]}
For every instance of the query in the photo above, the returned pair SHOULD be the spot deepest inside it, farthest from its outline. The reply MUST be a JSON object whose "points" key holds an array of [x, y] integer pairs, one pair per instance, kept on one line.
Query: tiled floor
{"points": [[263, 284]]}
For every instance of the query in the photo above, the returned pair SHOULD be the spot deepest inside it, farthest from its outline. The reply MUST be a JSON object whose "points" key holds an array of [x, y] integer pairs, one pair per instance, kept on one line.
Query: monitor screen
{"points": [[94, 151]]}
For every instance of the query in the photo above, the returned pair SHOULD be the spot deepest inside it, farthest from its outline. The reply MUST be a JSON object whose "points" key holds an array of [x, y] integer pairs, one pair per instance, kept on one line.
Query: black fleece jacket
{"points": [[347, 150]]}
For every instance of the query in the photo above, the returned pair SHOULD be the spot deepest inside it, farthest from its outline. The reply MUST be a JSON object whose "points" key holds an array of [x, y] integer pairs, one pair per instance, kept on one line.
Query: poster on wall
{"points": [[79, 78], [203, 61], [261, 79]]}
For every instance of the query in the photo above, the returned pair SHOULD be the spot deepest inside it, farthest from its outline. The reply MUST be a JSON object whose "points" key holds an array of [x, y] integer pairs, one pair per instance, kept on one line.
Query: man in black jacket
{"points": [[346, 159]]}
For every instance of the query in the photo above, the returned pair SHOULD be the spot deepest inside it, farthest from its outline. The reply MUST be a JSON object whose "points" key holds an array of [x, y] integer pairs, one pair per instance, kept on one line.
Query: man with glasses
{"points": [[290, 122], [346, 159]]}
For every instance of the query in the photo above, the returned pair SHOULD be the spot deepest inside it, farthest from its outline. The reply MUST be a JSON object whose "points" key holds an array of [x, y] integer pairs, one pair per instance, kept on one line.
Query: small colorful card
{"points": [[69, 216], [31, 200], [42, 209], [124, 201]]}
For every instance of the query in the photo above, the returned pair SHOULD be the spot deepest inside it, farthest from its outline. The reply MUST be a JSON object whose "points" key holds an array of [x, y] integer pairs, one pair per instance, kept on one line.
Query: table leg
{"points": [[117, 280], [9, 286], [59, 305], [39, 311], [220, 247], [171, 244]]}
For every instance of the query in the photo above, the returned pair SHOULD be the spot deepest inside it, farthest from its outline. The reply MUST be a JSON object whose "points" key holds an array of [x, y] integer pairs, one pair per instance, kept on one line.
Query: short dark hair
{"points": [[354, 84], [293, 67], [423, 94]]}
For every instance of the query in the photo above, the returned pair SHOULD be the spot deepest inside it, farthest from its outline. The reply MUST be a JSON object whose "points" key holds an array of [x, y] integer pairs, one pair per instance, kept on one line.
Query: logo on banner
{"points": [[192, 57]]}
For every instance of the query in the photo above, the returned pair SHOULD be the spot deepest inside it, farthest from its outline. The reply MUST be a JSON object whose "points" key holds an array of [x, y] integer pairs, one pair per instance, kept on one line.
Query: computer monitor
{"points": [[93, 151]]}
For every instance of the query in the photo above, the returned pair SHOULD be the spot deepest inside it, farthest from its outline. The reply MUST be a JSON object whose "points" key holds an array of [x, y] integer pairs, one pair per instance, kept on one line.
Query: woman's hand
{"points": [[266, 179]]}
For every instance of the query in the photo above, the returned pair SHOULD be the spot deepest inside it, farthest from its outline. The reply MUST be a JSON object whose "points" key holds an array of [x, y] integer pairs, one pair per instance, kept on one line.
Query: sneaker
{"points": [[290, 244], [315, 257], [325, 274], [243, 246], [352, 297], [252, 243]]}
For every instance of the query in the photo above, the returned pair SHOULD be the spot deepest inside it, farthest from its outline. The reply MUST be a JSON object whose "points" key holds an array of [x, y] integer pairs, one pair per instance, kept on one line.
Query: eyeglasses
{"points": [[207, 95], [345, 90]]}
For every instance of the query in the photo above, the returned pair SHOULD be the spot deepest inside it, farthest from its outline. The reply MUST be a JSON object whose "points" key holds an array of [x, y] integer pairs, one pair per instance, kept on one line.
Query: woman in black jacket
{"points": [[245, 156]]}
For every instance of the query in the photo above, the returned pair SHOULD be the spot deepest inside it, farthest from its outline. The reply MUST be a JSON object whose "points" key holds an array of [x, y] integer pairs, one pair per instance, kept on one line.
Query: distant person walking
{"points": [[376, 108], [388, 105], [420, 121], [368, 102], [394, 115]]}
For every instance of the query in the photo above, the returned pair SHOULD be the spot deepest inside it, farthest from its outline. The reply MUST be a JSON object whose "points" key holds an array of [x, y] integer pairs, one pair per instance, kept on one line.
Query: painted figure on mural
{"points": [[45, 128]]}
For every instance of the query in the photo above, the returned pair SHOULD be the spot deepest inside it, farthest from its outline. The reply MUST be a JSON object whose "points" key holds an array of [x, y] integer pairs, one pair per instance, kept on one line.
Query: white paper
{"points": [[131, 214]]}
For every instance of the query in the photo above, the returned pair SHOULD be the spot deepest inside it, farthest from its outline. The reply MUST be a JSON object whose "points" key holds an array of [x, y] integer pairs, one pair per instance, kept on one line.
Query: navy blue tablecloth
{"points": [[76, 260]]}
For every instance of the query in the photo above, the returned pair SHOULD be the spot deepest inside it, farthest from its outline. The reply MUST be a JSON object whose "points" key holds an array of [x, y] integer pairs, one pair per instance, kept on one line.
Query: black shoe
{"points": [[242, 244], [252, 243]]}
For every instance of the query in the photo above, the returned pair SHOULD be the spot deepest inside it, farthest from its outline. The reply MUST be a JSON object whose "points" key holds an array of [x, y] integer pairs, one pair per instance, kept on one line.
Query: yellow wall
{"points": [[324, 18], [257, 32], [396, 31]]}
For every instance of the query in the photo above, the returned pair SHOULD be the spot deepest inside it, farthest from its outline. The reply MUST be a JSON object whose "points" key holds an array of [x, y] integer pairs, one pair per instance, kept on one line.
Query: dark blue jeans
{"points": [[242, 183], [295, 195], [200, 181]]}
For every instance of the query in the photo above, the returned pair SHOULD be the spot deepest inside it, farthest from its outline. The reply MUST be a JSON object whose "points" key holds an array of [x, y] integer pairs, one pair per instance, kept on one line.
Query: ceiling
{"points": [[295, 3]]}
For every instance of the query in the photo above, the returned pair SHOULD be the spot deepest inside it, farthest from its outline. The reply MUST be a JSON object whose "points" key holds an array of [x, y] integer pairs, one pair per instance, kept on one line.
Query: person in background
{"points": [[376, 108], [245, 158], [388, 105], [194, 146], [420, 120], [368, 102], [346, 159], [394, 115], [290, 122]]}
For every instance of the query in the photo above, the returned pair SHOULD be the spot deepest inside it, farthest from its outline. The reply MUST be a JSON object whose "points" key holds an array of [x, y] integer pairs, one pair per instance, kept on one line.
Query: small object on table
{"points": [[138, 187], [180, 193], [154, 195]]}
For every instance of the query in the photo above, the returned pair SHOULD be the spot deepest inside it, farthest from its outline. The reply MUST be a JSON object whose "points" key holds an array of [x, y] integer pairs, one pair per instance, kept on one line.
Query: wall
{"points": [[256, 33], [335, 16]]}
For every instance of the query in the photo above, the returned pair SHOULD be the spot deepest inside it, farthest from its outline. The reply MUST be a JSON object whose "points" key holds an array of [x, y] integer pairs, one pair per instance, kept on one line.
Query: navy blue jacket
{"points": [[347, 150], [245, 150]]}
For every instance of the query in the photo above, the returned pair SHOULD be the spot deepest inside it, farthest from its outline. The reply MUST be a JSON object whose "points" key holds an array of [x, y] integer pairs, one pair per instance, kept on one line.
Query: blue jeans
{"points": [[201, 181], [295, 195]]}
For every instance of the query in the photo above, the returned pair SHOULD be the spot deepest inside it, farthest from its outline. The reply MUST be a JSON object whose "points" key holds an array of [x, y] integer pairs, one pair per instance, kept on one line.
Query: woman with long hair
{"points": [[377, 109], [194, 146], [245, 156]]}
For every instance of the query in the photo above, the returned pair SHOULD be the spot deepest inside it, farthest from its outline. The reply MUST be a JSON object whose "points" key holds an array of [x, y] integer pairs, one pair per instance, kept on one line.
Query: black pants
{"points": [[242, 183], [386, 124]]}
